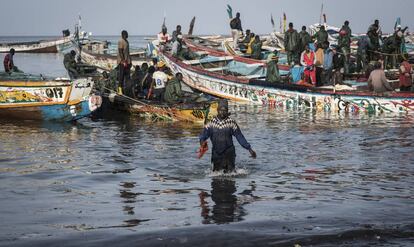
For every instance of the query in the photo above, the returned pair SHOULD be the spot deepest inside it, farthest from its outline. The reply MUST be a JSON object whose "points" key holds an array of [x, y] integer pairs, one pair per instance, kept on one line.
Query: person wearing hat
{"points": [[272, 71], [159, 79], [163, 37], [221, 130]]}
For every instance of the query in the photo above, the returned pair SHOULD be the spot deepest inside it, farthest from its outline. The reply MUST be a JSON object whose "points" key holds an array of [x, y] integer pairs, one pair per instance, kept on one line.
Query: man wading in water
{"points": [[221, 130]]}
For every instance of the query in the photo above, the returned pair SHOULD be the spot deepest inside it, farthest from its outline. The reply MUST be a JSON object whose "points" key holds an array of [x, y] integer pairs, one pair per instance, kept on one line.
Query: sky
{"points": [[139, 17]]}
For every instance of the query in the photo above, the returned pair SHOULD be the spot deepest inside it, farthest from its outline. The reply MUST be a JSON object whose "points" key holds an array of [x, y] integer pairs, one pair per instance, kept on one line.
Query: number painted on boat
{"points": [[56, 92]]}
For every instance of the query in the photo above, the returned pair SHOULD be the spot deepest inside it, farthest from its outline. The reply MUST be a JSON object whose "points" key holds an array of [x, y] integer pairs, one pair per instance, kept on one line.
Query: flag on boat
{"points": [[272, 21], [229, 11]]}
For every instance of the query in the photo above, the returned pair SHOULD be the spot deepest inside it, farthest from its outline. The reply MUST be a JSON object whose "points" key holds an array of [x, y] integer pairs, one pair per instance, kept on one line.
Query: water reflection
{"points": [[227, 206]]}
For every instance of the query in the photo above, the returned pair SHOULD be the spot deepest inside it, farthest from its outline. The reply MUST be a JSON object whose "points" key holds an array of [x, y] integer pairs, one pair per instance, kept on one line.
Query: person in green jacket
{"points": [[305, 39], [173, 92], [272, 72], [344, 43], [256, 48], [321, 36], [292, 43], [70, 64]]}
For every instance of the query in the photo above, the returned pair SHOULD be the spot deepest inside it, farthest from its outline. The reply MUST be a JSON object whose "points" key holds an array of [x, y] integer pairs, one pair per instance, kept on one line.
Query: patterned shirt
{"points": [[221, 133]]}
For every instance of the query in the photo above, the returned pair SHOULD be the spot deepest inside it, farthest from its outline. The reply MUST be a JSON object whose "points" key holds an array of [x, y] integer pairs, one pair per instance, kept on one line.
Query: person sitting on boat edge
{"points": [[179, 51], [8, 62], [163, 37], [245, 41], [221, 130], [406, 74], [257, 48], [69, 61], [296, 72], [173, 92], [308, 60], [272, 70], [377, 82]]}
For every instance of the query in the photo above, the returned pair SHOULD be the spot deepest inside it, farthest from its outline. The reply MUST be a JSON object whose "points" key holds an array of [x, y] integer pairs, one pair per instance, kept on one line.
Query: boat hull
{"points": [[45, 46], [232, 88], [199, 113], [50, 101]]}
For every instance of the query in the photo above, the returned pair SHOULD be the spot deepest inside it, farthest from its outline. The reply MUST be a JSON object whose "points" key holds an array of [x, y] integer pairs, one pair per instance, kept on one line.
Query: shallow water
{"points": [[315, 174], [320, 179]]}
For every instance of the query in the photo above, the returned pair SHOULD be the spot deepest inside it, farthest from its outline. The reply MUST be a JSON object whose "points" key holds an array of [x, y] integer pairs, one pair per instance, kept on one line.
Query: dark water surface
{"points": [[320, 180]]}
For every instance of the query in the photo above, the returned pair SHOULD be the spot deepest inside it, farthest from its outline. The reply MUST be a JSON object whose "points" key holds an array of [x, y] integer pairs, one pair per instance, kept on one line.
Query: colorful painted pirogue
{"points": [[155, 110], [24, 96], [230, 78]]}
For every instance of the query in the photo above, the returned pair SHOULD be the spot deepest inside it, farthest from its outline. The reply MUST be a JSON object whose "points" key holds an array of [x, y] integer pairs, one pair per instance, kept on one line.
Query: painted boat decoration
{"points": [[30, 98], [228, 77], [198, 113]]}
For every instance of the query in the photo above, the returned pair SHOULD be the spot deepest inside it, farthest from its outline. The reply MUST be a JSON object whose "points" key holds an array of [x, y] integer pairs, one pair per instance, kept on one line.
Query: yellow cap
{"points": [[160, 64]]}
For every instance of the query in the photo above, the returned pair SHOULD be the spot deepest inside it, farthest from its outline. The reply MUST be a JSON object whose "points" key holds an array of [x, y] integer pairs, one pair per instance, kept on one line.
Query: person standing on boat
{"points": [[374, 35], [406, 74], [221, 130], [321, 36], [319, 57], [124, 61], [173, 92], [305, 39], [272, 70], [176, 33], [69, 61], [338, 66], [344, 43], [377, 81], [292, 43], [308, 60], [363, 46], [8, 61], [236, 28], [327, 64]]}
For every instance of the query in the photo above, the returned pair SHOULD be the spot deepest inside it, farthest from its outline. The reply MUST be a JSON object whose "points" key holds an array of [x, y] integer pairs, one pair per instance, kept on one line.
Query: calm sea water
{"points": [[319, 180]]}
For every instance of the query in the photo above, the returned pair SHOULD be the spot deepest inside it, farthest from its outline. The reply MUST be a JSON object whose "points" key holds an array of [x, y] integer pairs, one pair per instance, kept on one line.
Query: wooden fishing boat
{"points": [[41, 46], [29, 97], [230, 78], [225, 49], [108, 62], [193, 112]]}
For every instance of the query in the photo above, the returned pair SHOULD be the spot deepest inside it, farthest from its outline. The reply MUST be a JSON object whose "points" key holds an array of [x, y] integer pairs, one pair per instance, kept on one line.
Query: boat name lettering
{"points": [[56, 92]]}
